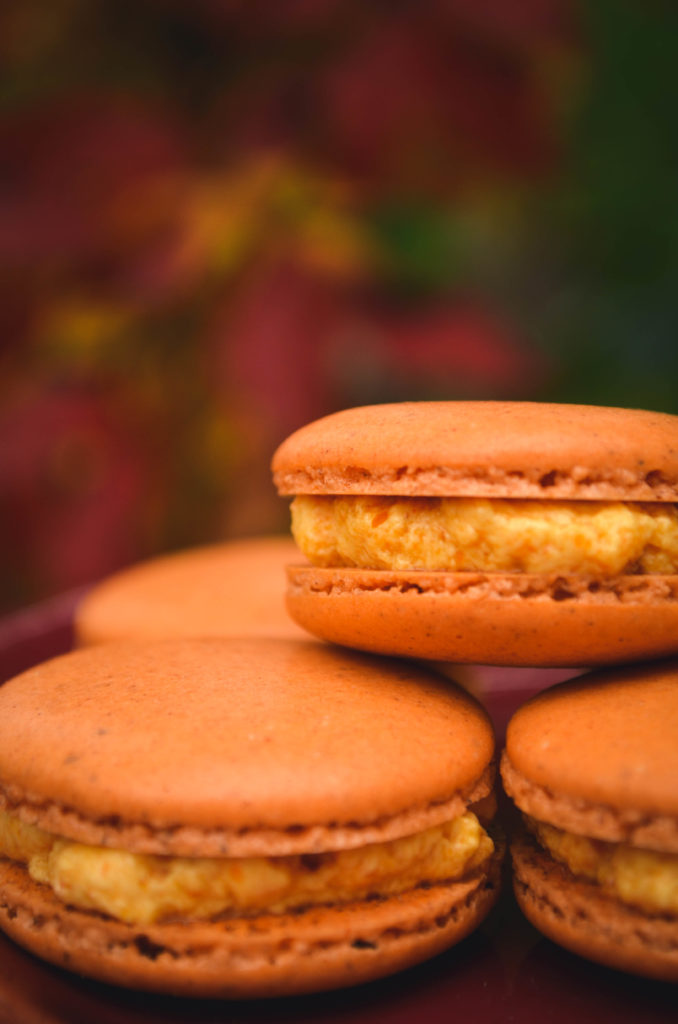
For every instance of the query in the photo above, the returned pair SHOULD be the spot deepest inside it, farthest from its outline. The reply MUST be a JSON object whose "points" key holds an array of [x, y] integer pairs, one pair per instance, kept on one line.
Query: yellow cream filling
{"points": [[468, 534], [642, 878], [141, 889]]}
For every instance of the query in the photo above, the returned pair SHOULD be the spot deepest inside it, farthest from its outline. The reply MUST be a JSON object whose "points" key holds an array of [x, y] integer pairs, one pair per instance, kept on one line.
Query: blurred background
{"points": [[222, 219]]}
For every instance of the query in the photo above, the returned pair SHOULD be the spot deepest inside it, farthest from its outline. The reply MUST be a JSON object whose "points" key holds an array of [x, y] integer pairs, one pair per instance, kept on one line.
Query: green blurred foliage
{"points": [[611, 314]]}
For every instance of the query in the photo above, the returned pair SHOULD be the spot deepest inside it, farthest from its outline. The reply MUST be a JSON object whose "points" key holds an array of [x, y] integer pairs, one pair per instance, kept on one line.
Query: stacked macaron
{"points": [[247, 817], [535, 535], [487, 532], [592, 764]]}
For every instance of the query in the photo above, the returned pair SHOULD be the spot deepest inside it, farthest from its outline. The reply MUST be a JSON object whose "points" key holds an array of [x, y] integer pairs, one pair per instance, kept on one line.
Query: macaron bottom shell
{"points": [[579, 916], [263, 956], [488, 618]]}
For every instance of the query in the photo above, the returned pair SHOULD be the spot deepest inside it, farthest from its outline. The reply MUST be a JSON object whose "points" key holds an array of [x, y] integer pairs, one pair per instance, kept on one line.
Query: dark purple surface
{"points": [[37, 633], [505, 972]]}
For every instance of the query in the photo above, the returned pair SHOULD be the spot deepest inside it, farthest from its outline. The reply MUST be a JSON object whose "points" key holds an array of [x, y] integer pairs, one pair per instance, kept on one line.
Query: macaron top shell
{"points": [[608, 738], [237, 746], [484, 449], [230, 589]]}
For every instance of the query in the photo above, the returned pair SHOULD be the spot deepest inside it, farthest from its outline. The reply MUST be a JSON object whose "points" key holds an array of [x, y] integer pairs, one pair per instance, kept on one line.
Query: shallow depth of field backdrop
{"points": [[224, 218]]}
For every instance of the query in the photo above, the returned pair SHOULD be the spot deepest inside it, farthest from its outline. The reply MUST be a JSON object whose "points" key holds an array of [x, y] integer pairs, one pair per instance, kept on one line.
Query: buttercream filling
{"points": [[142, 888], [642, 878], [592, 538]]}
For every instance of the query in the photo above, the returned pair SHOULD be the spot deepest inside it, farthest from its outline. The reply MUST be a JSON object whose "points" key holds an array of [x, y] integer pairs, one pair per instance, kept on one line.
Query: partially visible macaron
{"points": [[506, 533], [231, 589], [241, 817], [593, 766]]}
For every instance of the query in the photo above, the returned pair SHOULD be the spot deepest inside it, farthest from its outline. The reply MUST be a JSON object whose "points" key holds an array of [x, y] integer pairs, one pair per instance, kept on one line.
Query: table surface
{"points": [[505, 972]]}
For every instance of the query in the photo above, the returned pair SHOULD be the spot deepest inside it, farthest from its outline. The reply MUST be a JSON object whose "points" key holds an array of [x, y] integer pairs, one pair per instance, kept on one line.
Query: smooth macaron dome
{"points": [[491, 532], [241, 817], [592, 764], [235, 588]]}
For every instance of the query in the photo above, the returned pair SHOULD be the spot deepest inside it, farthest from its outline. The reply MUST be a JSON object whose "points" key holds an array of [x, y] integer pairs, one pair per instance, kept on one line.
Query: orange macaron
{"points": [[235, 588], [510, 533], [592, 764], [241, 818]]}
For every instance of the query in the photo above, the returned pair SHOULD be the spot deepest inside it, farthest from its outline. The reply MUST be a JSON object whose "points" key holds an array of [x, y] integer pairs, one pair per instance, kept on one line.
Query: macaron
{"points": [[231, 589], [240, 818], [505, 533], [592, 764]]}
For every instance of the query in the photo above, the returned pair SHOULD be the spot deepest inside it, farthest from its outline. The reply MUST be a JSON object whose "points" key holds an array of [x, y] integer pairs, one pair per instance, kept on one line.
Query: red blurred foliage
{"points": [[523, 23], [66, 167], [196, 264], [415, 97], [293, 346], [73, 478], [414, 107], [452, 349], [270, 345], [259, 17]]}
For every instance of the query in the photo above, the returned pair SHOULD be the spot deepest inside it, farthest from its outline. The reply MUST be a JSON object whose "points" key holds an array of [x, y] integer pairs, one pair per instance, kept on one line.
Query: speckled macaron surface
{"points": [[593, 764], [252, 752], [487, 532], [230, 589], [500, 449]]}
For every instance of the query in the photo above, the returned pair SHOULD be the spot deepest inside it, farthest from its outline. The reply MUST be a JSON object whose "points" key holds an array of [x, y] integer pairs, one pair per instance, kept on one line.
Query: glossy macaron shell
{"points": [[239, 737], [230, 589], [241, 748], [608, 738], [597, 757], [484, 449], [503, 450]]}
